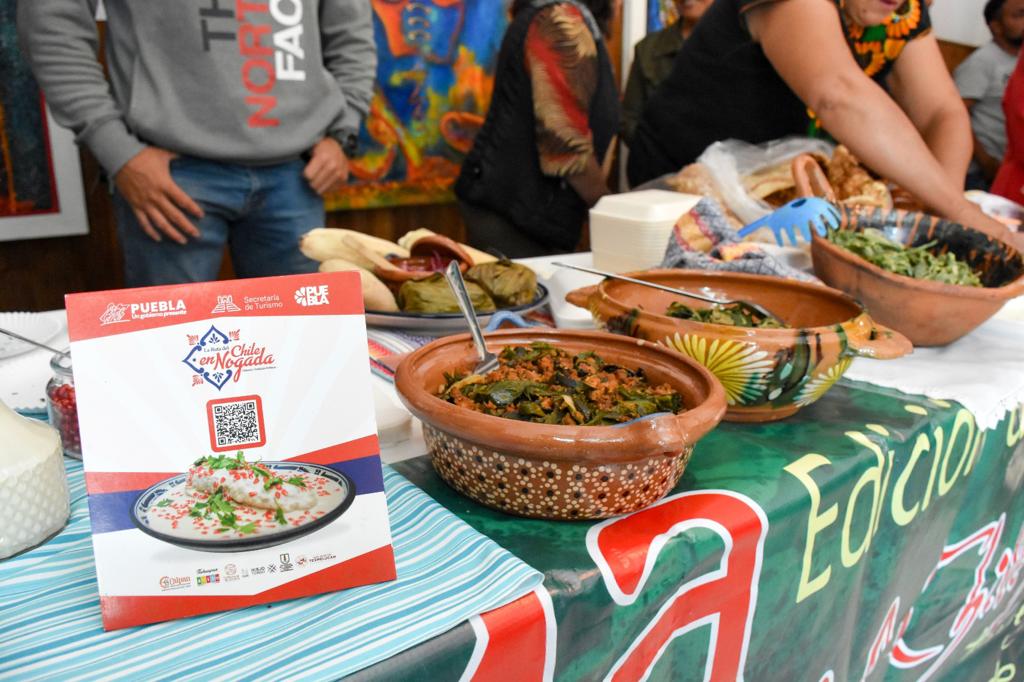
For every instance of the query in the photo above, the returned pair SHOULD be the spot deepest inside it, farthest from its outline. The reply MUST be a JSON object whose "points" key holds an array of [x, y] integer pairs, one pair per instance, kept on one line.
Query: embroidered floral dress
{"points": [[876, 48]]}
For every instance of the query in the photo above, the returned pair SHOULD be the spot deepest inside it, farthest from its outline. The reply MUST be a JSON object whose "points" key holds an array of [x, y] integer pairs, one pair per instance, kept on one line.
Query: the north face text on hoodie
{"points": [[263, 31]]}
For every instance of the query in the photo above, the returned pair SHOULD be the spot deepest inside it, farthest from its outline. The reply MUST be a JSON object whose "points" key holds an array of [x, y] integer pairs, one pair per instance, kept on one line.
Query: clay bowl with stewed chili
{"points": [[558, 471]]}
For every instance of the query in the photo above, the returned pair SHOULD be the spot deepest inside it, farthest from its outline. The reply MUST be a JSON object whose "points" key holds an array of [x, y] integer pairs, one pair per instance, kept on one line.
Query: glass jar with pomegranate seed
{"points": [[61, 405]]}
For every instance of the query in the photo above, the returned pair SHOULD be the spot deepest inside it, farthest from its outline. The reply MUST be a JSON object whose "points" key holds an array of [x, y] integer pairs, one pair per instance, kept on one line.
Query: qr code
{"points": [[237, 423]]}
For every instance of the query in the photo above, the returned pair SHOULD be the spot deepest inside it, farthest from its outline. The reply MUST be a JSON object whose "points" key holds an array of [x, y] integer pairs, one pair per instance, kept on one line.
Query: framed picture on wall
{"points": [[41, 192]]}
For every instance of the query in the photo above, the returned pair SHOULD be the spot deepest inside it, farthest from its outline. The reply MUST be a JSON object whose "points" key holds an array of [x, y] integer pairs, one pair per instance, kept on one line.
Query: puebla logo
{"points": [[143, 310], [216, 357]]}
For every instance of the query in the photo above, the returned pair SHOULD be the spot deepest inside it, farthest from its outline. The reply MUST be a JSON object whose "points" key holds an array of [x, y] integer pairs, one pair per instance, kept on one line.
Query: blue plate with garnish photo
{"points": [[226, 504]]}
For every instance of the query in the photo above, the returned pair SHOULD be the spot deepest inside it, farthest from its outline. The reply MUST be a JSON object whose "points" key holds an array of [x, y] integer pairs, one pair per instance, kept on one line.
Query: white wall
{"points": [[634, 28], [960, 21]]}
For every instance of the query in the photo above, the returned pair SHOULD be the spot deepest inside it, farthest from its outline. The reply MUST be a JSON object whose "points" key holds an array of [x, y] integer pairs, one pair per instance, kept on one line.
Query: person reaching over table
{"points": [[866, 72], [536, 164], [653, 57], [981, 79], [222, 124]]}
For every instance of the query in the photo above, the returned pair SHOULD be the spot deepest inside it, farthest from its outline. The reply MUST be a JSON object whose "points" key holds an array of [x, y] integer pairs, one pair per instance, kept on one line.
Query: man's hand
{"points": [[157, 201], [327, 168]]}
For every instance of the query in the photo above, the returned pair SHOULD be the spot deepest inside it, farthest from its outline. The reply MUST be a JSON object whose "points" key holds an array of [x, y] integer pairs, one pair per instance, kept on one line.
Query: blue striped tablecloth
{"points": [[50, 617], [383, 342]]}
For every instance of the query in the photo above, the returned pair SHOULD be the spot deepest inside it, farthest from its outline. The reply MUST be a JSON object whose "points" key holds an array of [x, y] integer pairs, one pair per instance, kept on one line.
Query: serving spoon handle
{"points": [[760, 310], [488, 360], [32, 342]]}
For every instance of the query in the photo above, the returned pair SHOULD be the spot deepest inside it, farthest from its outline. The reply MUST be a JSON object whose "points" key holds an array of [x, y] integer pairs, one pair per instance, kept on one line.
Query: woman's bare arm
{"points": [[923, 88], [804, 41]]}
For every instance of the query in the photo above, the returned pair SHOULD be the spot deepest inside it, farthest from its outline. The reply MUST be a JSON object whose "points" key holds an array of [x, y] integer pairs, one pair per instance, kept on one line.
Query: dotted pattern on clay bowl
{"points": [[551, 489]]}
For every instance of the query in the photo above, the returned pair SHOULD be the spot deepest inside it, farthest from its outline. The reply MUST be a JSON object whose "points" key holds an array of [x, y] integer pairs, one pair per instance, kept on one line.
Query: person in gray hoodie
{"points": [[223, 121]]}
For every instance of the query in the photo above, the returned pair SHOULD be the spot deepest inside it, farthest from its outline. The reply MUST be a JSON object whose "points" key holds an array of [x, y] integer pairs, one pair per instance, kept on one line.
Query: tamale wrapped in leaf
{"points": [[433, 295], [508, 283]]}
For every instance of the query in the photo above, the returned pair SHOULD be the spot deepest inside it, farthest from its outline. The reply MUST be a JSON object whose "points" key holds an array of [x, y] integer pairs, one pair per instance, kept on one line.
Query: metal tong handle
{"points": [[458, 285], [746, 305], [31, 342], [645, 283]]}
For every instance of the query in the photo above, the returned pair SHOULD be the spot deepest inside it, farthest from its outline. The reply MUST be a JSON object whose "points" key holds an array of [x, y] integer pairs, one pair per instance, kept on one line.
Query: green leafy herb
{"points": [[222, 461], [269, 480], [625, 324], [200, 510], [732, 315], [164, 503], [279, 517], [220, 506], [297, 481], [544, 384], [919, 262]]}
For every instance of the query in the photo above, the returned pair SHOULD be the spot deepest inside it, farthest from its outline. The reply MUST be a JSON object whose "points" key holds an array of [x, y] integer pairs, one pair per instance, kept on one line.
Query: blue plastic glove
{"points": [[800, 214]]}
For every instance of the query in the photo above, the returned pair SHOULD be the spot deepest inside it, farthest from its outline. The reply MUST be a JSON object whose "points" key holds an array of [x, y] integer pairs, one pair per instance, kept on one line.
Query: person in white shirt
{"points": [[981, 79]]}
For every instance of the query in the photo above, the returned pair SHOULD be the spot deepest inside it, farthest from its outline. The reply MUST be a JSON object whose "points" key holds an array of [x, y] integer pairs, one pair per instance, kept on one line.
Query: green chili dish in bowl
{"points": [[930, 311], [918, 262], [544, 384], [730, 315]]}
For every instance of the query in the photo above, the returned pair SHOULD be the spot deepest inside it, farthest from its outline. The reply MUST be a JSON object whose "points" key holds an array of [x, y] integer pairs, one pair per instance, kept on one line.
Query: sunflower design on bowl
{"points": [[742, 368], [820, 383]]}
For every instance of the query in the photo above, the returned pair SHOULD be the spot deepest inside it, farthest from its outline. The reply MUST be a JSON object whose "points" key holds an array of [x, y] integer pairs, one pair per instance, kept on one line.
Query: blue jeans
{"points": [[259, 212]]}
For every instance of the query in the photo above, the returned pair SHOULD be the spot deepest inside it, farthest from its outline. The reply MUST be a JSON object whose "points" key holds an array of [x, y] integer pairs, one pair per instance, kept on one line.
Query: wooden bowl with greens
{"points": [[931, 279]]}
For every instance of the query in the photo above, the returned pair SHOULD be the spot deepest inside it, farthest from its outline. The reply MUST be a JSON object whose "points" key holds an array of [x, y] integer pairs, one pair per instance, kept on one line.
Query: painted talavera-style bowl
{"points": [[554, 471], [768, 374], [928, 313]]}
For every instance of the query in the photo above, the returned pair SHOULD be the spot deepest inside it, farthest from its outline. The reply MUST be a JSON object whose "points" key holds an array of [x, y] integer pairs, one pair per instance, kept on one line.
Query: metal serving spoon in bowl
{"points": [[748, 307], [488, 360]]}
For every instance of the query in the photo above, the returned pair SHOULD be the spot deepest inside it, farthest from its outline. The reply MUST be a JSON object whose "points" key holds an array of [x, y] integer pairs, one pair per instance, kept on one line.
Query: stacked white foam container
{"points": [[33, 486], [630, 231]]}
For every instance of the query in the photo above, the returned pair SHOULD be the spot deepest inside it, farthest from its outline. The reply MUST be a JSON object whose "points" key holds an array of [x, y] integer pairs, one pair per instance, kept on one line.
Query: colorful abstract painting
{"points": [[660, 13], [435, 75], [27, 183]]}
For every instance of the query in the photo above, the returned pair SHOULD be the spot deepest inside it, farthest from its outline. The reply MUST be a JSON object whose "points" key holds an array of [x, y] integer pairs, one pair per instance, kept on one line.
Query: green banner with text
{"points": [[874, 535]]}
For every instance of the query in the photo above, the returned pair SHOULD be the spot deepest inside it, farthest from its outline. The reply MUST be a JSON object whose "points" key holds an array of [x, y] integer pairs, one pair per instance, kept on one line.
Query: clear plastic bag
{"points": [[730, 161]]}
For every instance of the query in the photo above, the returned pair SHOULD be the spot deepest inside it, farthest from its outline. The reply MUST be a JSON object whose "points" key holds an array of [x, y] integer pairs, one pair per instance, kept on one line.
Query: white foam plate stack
{"points": [[33, 486], [630, 231], [41, 328], [25, 368]]}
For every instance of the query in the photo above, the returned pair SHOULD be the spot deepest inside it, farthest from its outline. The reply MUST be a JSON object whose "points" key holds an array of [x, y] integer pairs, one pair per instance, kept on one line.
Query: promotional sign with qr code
{"points": [[229, 444]]}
